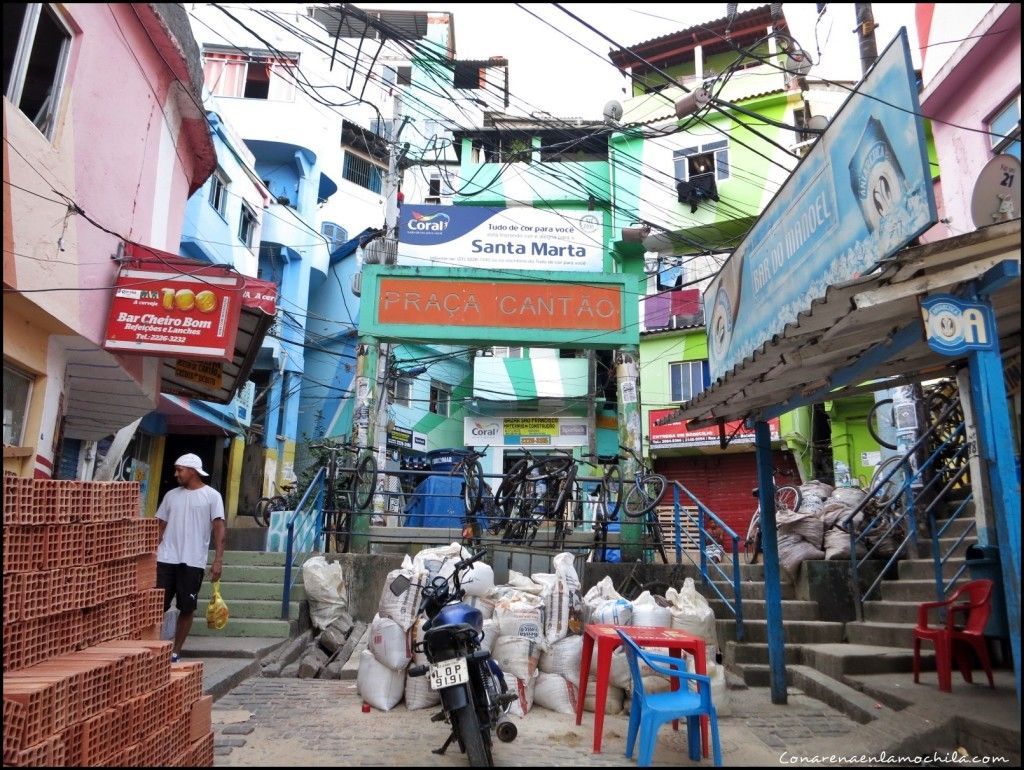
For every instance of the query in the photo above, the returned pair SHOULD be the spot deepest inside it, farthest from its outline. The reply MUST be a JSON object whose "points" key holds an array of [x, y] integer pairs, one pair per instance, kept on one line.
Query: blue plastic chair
{"points": [[647, 713]]}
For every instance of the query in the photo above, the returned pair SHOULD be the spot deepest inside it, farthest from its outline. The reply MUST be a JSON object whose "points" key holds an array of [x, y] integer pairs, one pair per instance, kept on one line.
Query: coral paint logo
{"points": [[483, 429], [428, 223]]}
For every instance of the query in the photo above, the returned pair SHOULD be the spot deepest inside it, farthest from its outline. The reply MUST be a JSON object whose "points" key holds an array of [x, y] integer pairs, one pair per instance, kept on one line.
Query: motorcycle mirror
{"points": [[400, 585]]}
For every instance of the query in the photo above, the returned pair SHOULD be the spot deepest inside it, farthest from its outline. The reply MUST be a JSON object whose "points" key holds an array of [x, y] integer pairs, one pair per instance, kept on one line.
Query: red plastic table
{"points": [[607, 640]]}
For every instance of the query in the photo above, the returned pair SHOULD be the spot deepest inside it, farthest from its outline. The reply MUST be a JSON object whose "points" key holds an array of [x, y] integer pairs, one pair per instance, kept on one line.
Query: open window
{"points": [[17, 393], [440, 398], [247, 226], [37, 44]]}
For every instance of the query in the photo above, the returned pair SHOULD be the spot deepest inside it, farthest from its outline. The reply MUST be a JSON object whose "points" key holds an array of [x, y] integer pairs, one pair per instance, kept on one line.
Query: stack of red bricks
{"points": [[87, 680]]}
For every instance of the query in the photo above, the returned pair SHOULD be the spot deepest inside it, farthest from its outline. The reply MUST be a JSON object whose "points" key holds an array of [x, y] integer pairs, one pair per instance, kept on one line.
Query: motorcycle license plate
{"points": [[448, 673]]}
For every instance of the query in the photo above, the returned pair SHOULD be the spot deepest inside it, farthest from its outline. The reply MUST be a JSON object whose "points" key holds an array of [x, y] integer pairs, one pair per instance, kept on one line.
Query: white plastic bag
{"points": [[619, 673], [439, 561], [647, 612], [170, 625], [325, 589], [378, 685], [402, 608], [478, 580], [556, 693], [719, 691], [520, 582], [692, 613], [389, 643]]}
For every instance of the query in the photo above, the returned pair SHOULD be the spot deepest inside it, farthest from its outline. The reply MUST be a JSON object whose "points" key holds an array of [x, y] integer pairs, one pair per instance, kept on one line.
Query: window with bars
{"points": [[37, 45], [247, 225], [440, 398], [219, 192], [403, 392], [501, 351], [335, 235], [688, 379], [254, 76], [363, 173]]}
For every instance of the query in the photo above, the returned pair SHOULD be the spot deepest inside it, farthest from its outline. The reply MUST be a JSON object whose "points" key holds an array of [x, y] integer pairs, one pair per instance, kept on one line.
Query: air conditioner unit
{"points": [[357, 281], [434, 201]]}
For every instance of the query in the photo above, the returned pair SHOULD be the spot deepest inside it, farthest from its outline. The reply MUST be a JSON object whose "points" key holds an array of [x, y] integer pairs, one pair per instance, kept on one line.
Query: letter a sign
{"points": [[953, 327]]}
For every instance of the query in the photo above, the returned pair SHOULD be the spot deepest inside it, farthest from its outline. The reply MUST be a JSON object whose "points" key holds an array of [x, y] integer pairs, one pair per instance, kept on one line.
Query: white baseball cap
{"points": [[191, 461]]}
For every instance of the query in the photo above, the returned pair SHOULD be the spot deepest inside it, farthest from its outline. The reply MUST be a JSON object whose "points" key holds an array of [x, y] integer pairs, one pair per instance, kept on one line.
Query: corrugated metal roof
{"points": [[854, 318]]}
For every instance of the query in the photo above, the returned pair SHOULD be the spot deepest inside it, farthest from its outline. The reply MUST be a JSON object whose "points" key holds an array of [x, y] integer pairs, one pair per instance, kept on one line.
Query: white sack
{"points": [[418, 693], [389, 643], [613, 703], [402, 608], [719, 691], [692, 613], [806, 525], [520, 614], [556, 693], [482, 603], [491, 631], [618, 612], [517, 656], [525, 690], [377, 684], [563, 658], [647, 612], [439, 561], [521, 582], [619, 673], [562, 600], [325, 589]]}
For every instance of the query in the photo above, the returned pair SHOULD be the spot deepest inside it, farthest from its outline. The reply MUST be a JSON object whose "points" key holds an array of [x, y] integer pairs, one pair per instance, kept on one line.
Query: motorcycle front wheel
{"points": [[470, 735]]}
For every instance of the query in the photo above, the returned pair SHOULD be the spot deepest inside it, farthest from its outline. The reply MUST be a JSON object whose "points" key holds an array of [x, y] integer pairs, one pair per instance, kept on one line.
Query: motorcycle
{"points": [[474, 697]]}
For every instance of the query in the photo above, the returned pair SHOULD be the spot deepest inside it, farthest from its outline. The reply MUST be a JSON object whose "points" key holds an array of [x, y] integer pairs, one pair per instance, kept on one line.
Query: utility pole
{"points": [[866, 34]]}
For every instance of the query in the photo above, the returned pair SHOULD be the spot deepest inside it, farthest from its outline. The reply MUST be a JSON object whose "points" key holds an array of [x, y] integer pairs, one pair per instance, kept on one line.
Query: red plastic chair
{"points": [[957, 640]]}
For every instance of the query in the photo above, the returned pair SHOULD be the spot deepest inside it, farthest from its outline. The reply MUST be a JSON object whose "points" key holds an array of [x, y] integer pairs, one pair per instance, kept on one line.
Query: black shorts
{"points": [[182, 581]]}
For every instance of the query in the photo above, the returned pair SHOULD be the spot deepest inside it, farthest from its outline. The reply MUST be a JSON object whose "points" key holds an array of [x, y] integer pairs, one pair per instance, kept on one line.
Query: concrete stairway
{"points": [[251, 586], [890, 619]]}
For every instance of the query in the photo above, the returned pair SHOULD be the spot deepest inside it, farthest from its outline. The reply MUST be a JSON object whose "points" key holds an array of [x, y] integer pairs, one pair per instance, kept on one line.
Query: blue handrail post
{"points": [[678, 525], [736, 587], [285, 604], [770, 541], [702, 545]]}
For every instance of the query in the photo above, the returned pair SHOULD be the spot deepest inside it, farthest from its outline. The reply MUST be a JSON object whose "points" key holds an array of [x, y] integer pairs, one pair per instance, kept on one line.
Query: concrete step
{"points": [[248, 573], [243, 627], [758, 674], [881, 634], [891, 612], [848, 659], [959, 525], [796, 631], [755, 609], [924, 569], [748, 590], [855, 704], [906, 591], [259, 558], [258, 591], [753, 572], [249, 609], [740, 653], [945, 544]]}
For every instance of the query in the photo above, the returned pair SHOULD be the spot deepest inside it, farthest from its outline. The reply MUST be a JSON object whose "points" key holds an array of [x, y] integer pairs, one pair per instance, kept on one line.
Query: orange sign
{"points": [[499, 304]]}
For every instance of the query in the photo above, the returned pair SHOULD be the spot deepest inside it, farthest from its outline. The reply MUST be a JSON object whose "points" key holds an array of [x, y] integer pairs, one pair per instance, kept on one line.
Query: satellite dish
{"points": [[613, 111], [996, 195]]}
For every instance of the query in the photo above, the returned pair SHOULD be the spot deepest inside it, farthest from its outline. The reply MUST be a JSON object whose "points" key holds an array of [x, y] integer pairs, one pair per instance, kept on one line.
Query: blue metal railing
{"points": [[706, 539], [895, 522], [305, 520]]}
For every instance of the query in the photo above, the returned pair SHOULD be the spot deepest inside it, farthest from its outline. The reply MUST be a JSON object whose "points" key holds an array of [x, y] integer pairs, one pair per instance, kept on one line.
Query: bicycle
{"points": [[349, 489], [787, 497], [642, 499], [631, 588], [607, 505], [535, 490], [266, 506]]}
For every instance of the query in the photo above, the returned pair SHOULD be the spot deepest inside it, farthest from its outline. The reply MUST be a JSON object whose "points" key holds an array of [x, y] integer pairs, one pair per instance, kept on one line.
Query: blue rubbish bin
{"points": [[983, 564]]}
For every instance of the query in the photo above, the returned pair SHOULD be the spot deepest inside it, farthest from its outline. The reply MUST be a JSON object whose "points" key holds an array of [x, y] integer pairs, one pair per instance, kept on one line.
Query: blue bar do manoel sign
{"points": [[862, 193]]}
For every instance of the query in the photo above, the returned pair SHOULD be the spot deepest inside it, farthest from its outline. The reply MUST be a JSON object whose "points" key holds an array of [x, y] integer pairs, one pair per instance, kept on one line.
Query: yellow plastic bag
{"points": [[217, 612]]}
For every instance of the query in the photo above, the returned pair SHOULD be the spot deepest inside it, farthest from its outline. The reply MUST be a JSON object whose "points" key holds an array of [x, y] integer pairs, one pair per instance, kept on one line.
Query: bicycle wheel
{"points": [[565, 487], [611, 491], [473, 487], [364, 481], [788, 497], [261, 513], [885, 491], [645, 495], [752, 544], [881, 411]]}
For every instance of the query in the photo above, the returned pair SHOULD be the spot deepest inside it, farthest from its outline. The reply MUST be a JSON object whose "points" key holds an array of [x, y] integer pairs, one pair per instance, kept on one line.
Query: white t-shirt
{"points": [[189, 514]]}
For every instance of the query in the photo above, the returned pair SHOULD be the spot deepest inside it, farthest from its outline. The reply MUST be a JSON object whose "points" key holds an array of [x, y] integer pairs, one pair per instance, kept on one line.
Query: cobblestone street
{"points": [[291, 722]]}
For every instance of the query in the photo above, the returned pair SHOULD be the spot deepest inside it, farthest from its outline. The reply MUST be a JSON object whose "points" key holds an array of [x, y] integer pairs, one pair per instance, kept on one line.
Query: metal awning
{"points": [[865, 334]]}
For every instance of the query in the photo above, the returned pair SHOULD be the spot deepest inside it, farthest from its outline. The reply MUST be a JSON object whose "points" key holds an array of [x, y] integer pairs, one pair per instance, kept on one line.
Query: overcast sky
{"points": [[550, 72]]}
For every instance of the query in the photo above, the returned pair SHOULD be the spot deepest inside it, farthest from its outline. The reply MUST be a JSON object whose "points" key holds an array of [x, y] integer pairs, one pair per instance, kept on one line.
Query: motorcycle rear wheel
{"points": [[470, 735]]}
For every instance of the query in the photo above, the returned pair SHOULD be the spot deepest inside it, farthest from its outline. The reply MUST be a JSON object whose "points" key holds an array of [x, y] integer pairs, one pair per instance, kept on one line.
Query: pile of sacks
{"points": [[813, 532], [532, 627]]}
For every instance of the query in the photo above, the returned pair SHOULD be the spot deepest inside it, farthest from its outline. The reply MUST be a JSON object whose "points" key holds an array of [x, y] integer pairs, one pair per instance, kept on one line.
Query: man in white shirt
{"points": [[188, 515]]}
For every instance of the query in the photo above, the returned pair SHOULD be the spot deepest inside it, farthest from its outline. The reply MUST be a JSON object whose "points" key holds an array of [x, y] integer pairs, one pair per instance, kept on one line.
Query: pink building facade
{"points": [[104, 140], [971, 91]]}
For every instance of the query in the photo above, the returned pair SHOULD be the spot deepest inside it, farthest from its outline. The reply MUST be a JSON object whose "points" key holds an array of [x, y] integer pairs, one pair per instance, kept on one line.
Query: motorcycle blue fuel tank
{"points": [[452, 614]]}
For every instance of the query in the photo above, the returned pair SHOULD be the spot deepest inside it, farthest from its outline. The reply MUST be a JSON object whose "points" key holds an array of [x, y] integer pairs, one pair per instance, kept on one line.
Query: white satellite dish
{"points": [[613, 111], [996, 195]]}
